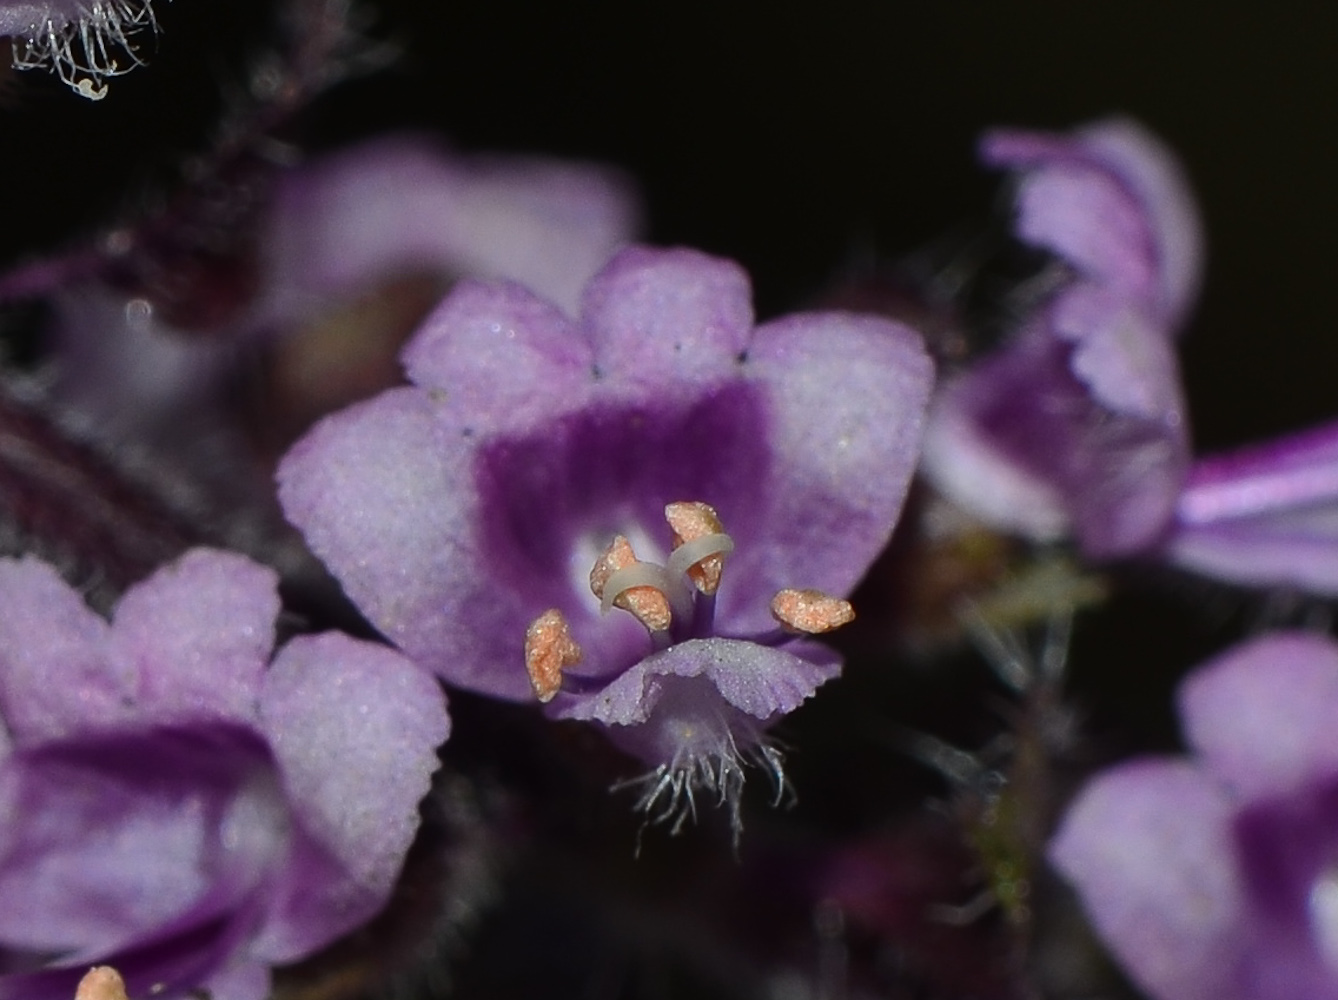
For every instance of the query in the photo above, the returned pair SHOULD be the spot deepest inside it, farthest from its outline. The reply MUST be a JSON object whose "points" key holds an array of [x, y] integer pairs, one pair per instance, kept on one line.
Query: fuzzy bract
{"points": [[1213, 877], [473, 505], [181, 808]]}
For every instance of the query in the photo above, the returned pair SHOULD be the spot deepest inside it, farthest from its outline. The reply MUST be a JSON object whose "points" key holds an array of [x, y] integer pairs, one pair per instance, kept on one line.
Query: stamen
{"points": [[549, 649], [811, 611], [101, 982], [700, 543], [621, 580]]}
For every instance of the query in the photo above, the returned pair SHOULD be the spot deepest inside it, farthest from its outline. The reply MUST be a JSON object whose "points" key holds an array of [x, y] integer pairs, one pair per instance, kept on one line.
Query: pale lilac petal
{"points": [[1295, 549], [1156, 176], [1121, 355], [657, 316], [845, 401], [55, 676], [1149, 848], [761, 681], [1265, 515], [503, 357], [1261, 716], [196, 636], [392, 476], [1072, 209], [1090, 220], [1288, 474], [355, 728], [404, 205]]}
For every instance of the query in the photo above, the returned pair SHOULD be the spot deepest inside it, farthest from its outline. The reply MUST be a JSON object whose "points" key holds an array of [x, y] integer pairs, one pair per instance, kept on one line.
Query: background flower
{"points": [[1077, 425], [1213, 876], [177, 808]]}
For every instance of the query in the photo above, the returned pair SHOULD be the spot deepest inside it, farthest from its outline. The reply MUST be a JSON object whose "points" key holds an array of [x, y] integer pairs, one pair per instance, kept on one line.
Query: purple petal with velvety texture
{"points": [[1265, 515], [1149, 848], [657, 316], [1261, 716], [354, 728], [55, 676], [502, 357], [196, 636]]}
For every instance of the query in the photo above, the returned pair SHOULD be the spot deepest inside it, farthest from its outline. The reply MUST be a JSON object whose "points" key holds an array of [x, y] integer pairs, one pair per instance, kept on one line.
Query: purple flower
{"points": [[1266, 515], [177, 808], [663, 453], [1216, 877], [355, 247], [1076, 426]]}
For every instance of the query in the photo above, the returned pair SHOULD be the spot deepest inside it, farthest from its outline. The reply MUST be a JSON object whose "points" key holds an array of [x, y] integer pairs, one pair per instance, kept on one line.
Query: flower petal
{"points": [[1149, 848], [355, 729], [504, 358], [1262, 714], [384, 494], [113, 837], [197, 636], [403, 204], [1117, 474], [845, 397], [55, 677], [762, 681], [1068, 205], [657, 316]]}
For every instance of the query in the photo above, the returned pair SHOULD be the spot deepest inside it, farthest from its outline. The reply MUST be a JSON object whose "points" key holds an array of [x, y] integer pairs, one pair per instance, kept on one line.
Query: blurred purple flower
{"points": [[1216, 877], [464, 515], [177, 808], [1266, 515], [354, 249], [1076, 426]]}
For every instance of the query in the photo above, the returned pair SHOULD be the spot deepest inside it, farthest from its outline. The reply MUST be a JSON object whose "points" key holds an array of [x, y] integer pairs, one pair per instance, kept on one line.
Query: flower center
{"points": [[675, 602]]}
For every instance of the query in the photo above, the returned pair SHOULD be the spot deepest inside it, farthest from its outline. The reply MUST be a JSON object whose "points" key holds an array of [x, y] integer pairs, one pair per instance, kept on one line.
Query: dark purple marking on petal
{"points": [[115, 835], [552, 501], [1119, 475]]}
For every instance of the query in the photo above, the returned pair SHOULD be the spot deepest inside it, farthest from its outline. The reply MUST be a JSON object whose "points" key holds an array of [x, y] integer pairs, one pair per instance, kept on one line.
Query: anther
{"points": [[700, 543], [549, 649], [621, 580], [101, 982], [810, 611]]}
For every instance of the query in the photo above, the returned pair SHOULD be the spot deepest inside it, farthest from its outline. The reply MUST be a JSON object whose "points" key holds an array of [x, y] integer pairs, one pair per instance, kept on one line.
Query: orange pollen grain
{"points": [[811, 611], [647, 604], [549, 649], [690, 520], [101, 982]]}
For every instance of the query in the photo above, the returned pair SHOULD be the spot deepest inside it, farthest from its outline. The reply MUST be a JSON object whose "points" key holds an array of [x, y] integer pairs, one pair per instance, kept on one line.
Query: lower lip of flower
{"points": [[675, 602]]}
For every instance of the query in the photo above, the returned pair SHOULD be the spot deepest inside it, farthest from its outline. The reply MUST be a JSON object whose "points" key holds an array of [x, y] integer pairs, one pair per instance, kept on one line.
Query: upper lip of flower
{"points": [[457, 512]]}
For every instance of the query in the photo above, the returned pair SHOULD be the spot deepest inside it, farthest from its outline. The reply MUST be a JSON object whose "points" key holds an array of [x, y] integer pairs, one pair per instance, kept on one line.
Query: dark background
{"points": [[798, 138]]}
